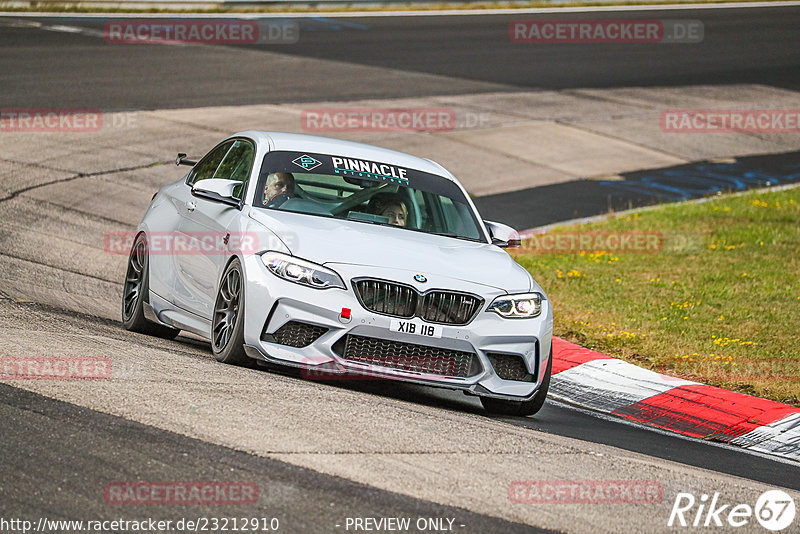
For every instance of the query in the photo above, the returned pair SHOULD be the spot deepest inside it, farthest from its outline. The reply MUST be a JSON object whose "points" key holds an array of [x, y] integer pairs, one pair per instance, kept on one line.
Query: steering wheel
{"points": [[357, 198]]}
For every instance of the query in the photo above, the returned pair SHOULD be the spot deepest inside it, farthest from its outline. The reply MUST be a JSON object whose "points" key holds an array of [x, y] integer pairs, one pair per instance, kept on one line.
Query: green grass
{"points": [[718, 303]]}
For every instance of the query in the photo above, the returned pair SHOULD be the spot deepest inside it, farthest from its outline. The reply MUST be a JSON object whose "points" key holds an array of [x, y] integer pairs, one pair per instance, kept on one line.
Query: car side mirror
{"points": [[502, 235], [181, 160], [217, 189]]}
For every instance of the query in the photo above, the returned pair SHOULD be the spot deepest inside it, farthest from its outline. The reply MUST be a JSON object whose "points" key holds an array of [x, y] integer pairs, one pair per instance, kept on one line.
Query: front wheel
{"points": [[227, 328], [134, 292], [523, 408]]}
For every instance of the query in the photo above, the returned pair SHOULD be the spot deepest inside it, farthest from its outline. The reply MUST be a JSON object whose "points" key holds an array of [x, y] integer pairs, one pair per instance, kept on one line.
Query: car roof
{"points": [[339, 147]]}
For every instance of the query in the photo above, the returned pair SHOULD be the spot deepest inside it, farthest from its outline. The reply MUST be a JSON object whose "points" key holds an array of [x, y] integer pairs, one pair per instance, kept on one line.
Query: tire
{"points": [[522, 408], [227, 325], [134, 291]]}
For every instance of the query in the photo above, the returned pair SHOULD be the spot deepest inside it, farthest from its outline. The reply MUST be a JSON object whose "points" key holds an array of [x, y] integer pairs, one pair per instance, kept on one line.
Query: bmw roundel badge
{"points": [[419, 278]]}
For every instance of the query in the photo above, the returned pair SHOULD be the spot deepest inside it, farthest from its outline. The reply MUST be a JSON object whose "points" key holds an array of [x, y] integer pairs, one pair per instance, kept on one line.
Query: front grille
{"points": [[295, 334], [510, 367], [398, 300], [387, 298], [449, 307], [409, 356]]}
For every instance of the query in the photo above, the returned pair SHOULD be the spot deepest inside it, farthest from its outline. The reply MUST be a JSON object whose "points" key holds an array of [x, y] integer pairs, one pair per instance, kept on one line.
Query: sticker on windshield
{"points": [[307, 162], [369, 169]]}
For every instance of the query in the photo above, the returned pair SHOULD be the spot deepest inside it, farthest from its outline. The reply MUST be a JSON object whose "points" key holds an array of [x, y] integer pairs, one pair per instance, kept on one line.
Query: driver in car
{"points": [[391, 206], [279, 188]]}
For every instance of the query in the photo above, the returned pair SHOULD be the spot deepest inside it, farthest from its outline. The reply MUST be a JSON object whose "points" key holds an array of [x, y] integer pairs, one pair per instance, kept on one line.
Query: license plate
{"points": [[416, 327]]}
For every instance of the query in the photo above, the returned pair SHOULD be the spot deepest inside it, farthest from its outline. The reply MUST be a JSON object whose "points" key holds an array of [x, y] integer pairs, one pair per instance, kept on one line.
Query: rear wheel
{"points": [[135, 291], [227, 327], [523, 408]]}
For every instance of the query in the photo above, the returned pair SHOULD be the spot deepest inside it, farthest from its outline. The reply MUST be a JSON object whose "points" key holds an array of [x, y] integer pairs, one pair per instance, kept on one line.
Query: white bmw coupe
{"points": [[345, 260]]}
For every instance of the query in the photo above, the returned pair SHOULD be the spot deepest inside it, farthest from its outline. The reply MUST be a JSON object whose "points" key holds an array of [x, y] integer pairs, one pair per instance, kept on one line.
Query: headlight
{"points": [[521, 306], [301, 271]]}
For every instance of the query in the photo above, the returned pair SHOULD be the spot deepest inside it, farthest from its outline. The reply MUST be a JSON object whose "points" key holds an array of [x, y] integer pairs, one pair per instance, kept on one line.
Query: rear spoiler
{"points": [[181, 160]]}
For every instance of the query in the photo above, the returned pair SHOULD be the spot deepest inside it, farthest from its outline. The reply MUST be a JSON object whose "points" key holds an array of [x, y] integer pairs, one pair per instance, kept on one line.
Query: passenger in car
{"points": [[279, 188], [390, 205]]}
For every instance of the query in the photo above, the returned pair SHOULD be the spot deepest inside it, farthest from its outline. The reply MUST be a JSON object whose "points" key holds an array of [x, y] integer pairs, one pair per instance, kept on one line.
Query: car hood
{"points": [[325, 240]]}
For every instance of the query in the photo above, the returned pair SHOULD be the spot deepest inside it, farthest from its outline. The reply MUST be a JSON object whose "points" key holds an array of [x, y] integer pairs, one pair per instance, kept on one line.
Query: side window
{"points": [[237, 164], [455, 215], [208, 165]]}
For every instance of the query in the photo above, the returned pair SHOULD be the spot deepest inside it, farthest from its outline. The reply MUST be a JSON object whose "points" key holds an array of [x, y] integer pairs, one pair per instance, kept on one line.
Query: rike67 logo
{"points": [[774, 510]]}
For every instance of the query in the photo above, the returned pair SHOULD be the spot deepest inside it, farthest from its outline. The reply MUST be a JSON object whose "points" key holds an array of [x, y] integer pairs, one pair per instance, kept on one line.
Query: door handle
{"points": [[191, 205]]}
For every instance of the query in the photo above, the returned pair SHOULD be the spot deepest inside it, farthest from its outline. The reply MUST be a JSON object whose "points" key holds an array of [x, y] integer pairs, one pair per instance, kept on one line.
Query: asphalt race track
{"points": [[438, 54], [319, 453]]}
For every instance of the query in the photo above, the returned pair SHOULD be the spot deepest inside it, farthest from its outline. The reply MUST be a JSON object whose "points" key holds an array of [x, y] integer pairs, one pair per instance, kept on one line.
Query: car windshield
{"points": [[365, 191]]}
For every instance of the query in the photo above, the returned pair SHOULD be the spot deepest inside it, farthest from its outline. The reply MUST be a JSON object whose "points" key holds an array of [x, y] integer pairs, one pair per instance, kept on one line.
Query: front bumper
{"points": [[271, 302]]}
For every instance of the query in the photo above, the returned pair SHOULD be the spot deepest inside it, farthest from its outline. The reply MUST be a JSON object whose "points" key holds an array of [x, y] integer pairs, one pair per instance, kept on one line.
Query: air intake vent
{"points": [[510, 367], [295, 334], [409, 356]]}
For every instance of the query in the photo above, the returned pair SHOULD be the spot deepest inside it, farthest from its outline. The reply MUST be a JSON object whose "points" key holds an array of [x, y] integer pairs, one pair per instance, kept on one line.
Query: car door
{"points": [[207, 225], [184, 203], [166, 222]]}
